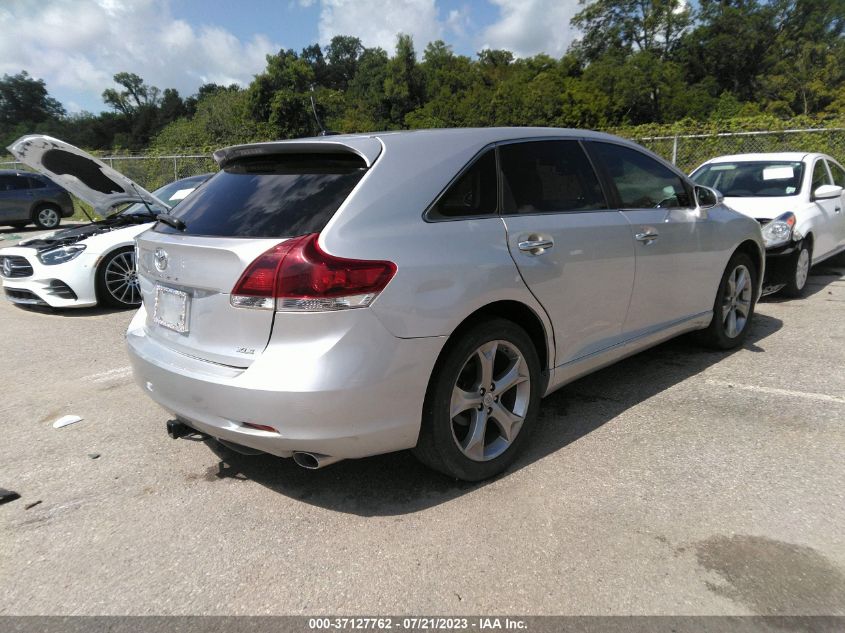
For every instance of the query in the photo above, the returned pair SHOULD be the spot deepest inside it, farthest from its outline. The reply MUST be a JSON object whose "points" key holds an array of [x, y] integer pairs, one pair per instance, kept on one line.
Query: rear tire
{"points": [[802, 261], [47, 216], [117, 280], [733, 309], [472, 427]]}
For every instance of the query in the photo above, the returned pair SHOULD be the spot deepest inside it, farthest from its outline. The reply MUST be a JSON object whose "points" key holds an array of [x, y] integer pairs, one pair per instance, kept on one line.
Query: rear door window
{"points": [[641, 181], [472, 194], [548, 177], [13, 183], [272, 196]]}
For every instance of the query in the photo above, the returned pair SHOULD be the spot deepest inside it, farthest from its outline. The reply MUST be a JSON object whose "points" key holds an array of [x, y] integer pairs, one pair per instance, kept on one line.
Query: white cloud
{"points": [[528, 27], [78, 45], [457, 22], [377, 22]]}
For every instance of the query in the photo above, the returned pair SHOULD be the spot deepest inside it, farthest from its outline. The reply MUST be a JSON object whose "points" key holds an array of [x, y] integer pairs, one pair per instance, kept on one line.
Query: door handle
{"points": [[536, 247], [837, 209], [647, 236]]}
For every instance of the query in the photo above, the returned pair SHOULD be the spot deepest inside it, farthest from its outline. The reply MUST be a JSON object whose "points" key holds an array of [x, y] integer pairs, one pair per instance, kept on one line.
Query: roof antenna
{"points": [[323, 131]]}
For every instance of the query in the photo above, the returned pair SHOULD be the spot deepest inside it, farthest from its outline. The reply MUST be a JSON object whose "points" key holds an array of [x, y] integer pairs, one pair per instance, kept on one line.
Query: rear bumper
{"points": [[349, 390]]}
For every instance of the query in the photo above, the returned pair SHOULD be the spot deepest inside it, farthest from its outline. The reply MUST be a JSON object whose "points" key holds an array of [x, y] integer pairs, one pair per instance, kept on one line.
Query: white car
{"points": [[94, 263], [798, 198]]}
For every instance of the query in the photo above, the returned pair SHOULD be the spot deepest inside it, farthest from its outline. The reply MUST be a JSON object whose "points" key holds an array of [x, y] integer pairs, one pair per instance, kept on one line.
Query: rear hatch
{"points": [[258, 200]]}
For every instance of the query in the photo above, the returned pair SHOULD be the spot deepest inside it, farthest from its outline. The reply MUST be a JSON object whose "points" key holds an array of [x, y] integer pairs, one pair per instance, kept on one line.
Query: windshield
{"points": [[764, 179], [172, 194]]}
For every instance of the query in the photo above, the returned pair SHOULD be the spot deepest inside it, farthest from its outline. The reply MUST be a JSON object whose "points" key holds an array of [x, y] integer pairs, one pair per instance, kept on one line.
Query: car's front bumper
{"points": [[780, 266], [349, 389], [68, 285]]}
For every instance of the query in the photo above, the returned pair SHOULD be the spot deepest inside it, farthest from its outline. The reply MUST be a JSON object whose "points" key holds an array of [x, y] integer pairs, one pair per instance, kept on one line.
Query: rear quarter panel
{"points": [[445, 270]]}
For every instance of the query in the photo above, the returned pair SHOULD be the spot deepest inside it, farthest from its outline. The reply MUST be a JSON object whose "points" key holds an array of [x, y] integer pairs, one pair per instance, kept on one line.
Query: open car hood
{"points": [[86, 177]]}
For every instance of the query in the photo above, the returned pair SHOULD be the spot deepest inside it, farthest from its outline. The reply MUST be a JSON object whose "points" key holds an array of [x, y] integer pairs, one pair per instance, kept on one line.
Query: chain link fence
{"points": [[687, 151], [690, 150]]}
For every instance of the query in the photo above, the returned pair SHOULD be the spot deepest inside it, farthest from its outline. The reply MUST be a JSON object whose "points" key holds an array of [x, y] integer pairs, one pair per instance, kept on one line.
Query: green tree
{"points": [[652, 26], [222, 118], [135, 94], [280, 96], [367, 108], [727, 50], [342, 56], [807, 58], [403, 85], [26, 100]]}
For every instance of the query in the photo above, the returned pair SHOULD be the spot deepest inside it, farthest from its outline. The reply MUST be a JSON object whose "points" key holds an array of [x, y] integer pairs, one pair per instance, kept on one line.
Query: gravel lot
{"points": [[679, 481]]}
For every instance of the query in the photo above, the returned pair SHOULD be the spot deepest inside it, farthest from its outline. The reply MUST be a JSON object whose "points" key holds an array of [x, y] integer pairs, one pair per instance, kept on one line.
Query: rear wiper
{"points": [[169, 220]]}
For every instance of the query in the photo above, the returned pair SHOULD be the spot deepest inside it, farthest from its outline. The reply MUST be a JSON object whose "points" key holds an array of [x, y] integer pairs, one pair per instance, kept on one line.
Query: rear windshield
{"points": [[763, 179], [270, 196]]}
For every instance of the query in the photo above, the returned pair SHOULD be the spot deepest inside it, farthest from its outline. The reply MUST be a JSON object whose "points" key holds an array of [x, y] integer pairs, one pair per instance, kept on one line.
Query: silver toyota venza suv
{"points": [[345, 296]]}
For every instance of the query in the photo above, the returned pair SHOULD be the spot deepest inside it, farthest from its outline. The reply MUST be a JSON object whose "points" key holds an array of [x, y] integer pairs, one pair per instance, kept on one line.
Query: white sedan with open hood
{"points": [[94, 263]]}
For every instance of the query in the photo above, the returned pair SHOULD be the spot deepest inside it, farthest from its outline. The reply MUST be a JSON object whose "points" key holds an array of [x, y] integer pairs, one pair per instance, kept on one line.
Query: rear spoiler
{"points": [[366, 147]]}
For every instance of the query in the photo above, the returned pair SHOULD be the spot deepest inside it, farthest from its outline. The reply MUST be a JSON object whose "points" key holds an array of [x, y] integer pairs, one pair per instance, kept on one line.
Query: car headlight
{"points": [[60, 255], [779, 231]]}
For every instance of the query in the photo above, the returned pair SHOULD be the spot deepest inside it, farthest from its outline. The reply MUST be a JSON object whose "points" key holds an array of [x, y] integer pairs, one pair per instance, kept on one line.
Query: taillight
{"points": [[297, 276]]}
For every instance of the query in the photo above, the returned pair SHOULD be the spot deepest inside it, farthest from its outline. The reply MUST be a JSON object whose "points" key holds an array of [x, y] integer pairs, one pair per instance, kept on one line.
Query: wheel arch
{"points": [[811, 239], [36, 206], [111, 249], [758, 256], [100, 262], [518, 313]]}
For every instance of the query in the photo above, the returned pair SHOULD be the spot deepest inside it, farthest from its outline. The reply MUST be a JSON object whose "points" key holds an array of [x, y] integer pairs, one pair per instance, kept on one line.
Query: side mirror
{"points": [[707, 197], [827, 191]]}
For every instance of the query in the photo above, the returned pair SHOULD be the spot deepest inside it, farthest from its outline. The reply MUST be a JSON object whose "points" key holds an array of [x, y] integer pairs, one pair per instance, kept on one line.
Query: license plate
{"points": [[172, 308]]}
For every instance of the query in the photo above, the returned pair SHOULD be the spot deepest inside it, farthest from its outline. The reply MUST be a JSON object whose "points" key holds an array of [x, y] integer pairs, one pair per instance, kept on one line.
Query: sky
{"points": [[76, 46]]}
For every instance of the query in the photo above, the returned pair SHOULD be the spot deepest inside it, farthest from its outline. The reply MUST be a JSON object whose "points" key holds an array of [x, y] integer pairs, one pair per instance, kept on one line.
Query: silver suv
{"points": [[340, 297]]}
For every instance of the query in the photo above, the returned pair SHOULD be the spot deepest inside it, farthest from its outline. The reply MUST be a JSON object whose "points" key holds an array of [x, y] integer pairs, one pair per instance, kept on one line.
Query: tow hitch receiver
{"points": [[177, 429]]}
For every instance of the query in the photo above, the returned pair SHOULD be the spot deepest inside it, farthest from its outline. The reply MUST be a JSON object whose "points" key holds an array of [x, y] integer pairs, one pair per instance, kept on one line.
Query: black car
{"points": [[27, 198]]}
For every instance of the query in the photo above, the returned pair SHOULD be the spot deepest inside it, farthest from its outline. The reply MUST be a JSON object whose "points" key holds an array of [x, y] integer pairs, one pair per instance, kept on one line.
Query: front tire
{"points": [[802, 261], [733, 309], [117, 280], [47, 216], [482, 401]]}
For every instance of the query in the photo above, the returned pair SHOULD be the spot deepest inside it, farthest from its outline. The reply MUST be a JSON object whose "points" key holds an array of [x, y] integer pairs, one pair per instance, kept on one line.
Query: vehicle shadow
{"points": [[72, 312], [397, 484]]}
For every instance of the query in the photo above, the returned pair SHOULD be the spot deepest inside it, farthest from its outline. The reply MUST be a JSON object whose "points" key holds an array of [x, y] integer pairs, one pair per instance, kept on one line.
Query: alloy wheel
{"points": [[48, 217], [802, 268], [490, 400], [121, 279], [736, 303]]}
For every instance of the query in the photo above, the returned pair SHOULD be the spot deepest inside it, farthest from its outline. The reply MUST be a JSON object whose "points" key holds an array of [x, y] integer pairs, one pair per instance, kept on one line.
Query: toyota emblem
{"points": [[160, 259]]}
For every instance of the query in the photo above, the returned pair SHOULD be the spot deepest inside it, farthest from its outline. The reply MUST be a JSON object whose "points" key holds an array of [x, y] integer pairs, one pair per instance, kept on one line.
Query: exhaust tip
{"points": [[308, 461], [177, 429]]}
